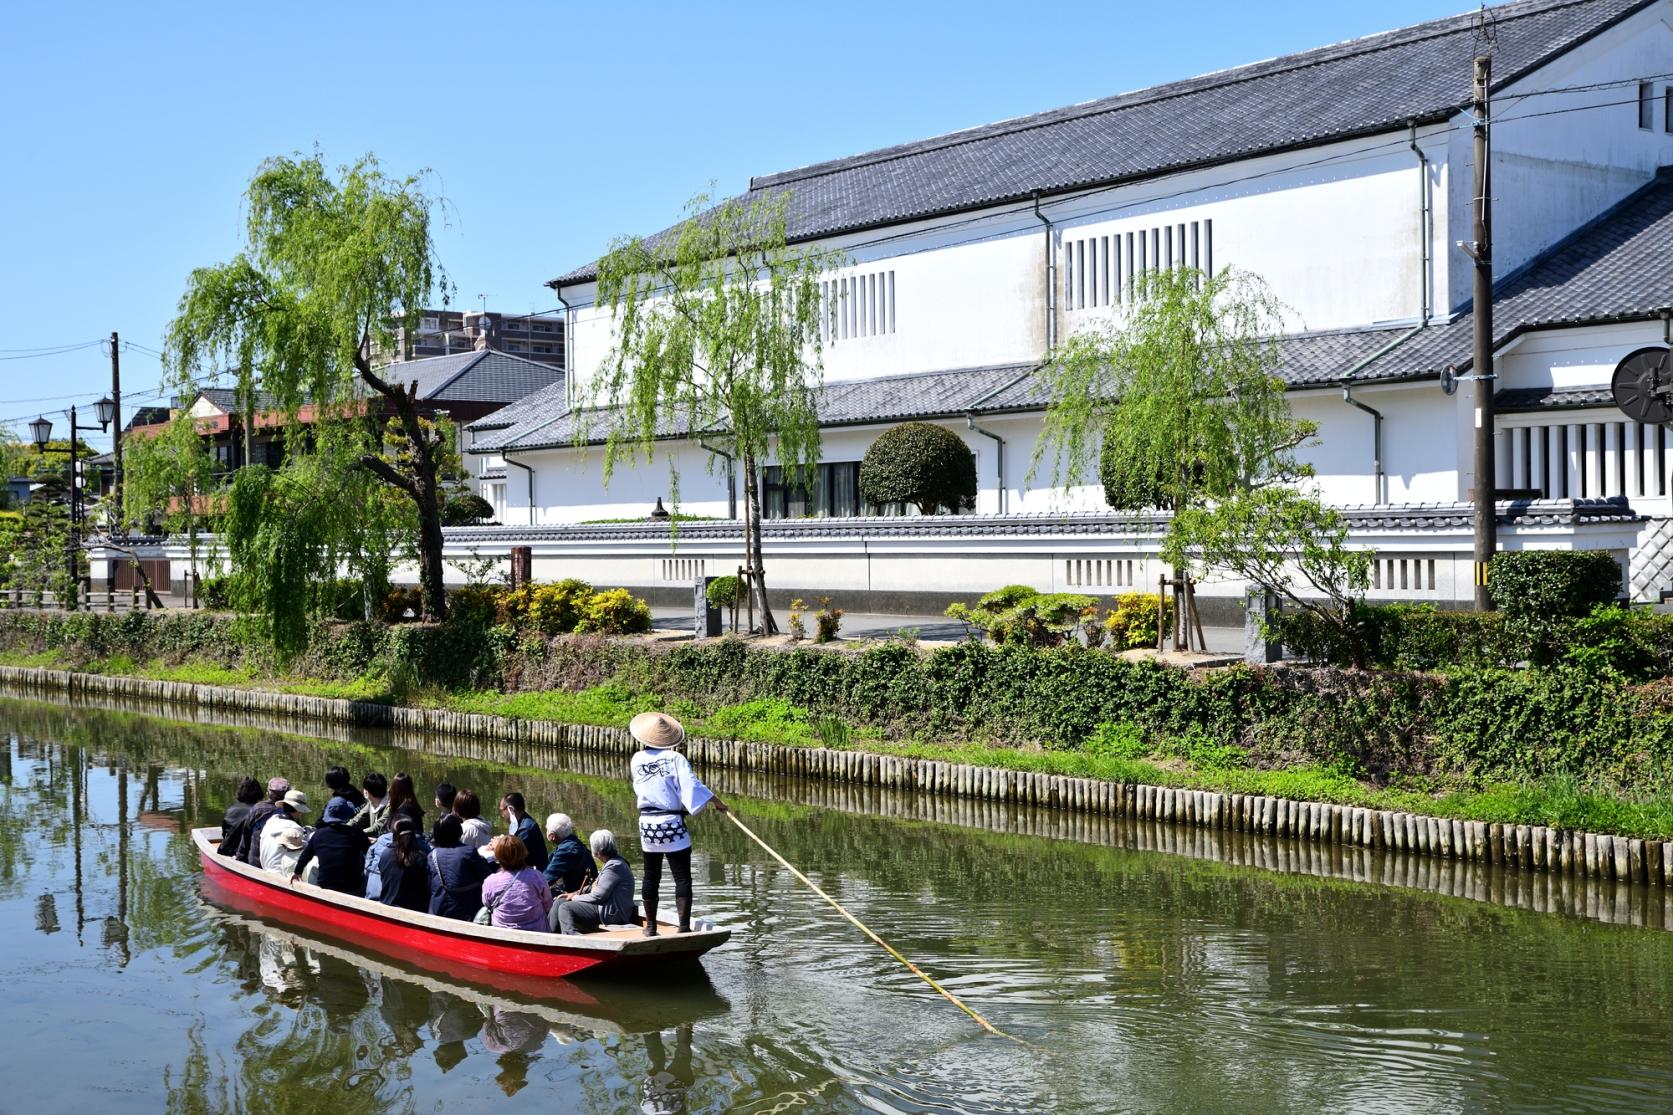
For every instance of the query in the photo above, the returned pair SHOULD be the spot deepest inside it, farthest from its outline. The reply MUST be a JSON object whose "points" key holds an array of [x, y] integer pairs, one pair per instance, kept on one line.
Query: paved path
{"points": [[864, 626]]}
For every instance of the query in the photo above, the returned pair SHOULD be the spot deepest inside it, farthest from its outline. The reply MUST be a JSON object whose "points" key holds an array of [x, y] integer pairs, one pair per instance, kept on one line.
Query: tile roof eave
{"points": [[589, 272]]}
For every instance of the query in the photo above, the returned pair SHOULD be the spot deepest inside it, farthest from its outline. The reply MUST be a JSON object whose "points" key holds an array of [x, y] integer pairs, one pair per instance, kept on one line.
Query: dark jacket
{"points": [[534, 840], [249, 843], [456, 877], [406, 887], [349, 794], [341, 852], [235, 813], [568, 865]]}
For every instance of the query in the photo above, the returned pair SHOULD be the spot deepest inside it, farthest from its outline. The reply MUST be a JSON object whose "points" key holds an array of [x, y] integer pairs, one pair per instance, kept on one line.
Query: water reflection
{"points": [[1163, 976]]}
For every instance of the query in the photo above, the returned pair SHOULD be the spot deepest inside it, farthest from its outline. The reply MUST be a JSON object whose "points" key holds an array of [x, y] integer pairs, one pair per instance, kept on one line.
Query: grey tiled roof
{"points": [[1550, 398], [544, 421], [488, 376], [1615, 268], [1359, 87], [1379, 519]]}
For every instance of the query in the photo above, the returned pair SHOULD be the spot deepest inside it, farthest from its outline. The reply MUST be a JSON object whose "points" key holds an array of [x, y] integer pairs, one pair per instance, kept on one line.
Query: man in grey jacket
{"points": [[609, 901]]}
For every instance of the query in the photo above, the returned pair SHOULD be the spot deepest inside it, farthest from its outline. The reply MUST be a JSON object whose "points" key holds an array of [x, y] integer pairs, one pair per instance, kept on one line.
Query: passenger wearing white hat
{"points": [[283, 838], [668, 792]]}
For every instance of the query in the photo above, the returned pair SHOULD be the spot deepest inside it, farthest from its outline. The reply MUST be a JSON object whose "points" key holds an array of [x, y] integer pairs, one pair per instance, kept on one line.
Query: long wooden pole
{"points": [[863, 928]]}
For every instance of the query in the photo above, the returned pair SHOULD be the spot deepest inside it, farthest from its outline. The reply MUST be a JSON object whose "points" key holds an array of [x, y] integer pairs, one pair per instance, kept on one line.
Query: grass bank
{"points": [[1117, 751]]}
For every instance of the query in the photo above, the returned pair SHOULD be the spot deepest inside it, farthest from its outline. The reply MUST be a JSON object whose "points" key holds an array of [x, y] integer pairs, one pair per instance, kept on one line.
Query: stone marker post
{"points": [[1259, 605], [707, 622]]}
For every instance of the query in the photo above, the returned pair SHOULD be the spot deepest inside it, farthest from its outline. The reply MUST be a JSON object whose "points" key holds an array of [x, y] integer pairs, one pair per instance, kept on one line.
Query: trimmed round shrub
{"points": [[1539, 591], [922, 464], [722, 592], [466, 509]]}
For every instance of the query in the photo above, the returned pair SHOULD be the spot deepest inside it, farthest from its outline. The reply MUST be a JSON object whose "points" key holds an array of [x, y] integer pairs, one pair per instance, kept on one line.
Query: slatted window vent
{"points": [[1403, 574], [1585, 460], [682, 569], [1105, 270], [1100, 572], [857, 306]]}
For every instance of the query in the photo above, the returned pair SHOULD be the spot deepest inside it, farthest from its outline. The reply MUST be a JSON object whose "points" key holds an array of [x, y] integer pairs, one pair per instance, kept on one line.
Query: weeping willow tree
{"points": [[333, 265], [716, 329], [291, 530], [1178, 401]]}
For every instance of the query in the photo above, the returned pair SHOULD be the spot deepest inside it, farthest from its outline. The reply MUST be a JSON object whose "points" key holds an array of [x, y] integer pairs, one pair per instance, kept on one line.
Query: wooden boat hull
{"points": [[406, 934]]}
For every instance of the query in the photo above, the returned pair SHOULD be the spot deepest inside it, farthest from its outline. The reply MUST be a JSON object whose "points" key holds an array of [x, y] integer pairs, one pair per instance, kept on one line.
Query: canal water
{"points": [[1143, 981]]}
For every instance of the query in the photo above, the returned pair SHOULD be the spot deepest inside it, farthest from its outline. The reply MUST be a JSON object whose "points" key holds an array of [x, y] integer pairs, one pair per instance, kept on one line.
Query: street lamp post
{"points": [[41, 431]]}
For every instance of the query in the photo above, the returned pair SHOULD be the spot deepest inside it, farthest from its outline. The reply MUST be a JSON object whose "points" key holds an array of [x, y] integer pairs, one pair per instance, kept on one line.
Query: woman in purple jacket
{"points": [[516, 894]]}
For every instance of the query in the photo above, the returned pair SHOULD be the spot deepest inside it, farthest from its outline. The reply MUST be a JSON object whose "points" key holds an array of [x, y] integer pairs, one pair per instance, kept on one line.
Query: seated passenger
{"points": [[445, 793], [519, 824], [249, 793], [609, 901], [283, 838], [373, 817], [516, 895], [475, 831], [249, 841], [340, 850], [403, 800], [341, 784], [380, 844], [456, 873], [570, 865], [401, 867]]}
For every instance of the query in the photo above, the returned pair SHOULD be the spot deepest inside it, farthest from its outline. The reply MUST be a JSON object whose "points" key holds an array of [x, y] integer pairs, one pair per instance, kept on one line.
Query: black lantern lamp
{"points": [[40, 430]]}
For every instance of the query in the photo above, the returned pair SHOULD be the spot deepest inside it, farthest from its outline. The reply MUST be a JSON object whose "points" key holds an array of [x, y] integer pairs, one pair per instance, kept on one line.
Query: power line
{"points": [[52, 352]]}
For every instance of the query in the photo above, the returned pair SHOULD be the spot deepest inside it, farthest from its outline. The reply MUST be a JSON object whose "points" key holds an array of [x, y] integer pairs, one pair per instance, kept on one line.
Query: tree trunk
{"points": [[422, 486], [752, 543]]}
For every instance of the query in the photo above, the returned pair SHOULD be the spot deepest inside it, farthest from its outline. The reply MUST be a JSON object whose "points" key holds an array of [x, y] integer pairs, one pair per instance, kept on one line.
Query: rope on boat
{"points": [[864, 928]]}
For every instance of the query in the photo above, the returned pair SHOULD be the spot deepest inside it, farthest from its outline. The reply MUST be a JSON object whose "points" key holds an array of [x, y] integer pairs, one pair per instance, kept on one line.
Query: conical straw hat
{"points": [[656, 729]]}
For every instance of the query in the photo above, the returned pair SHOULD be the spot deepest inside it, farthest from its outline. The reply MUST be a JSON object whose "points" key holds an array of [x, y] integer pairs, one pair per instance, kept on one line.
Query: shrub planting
{"points": [[921, 464]]}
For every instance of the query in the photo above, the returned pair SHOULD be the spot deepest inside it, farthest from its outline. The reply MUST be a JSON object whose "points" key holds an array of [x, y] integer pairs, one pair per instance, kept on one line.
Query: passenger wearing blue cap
{"points": [[339, 848]]}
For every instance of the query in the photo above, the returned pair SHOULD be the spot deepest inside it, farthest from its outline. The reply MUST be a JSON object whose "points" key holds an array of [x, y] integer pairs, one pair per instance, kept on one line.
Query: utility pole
{"points": [[1484, 380], [116, 427]]}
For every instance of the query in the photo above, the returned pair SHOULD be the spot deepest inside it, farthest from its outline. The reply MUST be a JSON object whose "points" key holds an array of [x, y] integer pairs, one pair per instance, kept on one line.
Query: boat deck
{"points": [[487, 946]]}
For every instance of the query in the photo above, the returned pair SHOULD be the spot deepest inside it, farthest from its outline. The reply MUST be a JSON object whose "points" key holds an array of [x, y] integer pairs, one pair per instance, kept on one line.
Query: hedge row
{"points": [[1484, 724]]}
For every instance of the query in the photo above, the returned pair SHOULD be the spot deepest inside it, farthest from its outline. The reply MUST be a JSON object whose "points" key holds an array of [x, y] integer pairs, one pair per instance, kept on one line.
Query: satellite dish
{"points": [[1449, 381], [1643, 385]]}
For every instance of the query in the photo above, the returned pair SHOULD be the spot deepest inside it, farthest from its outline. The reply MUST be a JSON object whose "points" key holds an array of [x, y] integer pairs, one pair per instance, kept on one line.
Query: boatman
{"points": [[668, 792]]}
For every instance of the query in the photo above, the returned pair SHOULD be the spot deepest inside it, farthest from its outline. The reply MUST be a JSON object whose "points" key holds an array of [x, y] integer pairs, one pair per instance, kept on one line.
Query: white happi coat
{"points": [[668, 793]]}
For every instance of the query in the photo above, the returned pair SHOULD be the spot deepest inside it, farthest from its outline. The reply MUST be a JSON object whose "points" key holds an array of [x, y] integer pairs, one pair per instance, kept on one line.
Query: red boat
{"points": [[404, 933]]}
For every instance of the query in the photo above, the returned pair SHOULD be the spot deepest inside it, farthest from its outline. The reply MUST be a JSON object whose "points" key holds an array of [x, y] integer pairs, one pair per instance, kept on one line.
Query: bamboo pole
{"points": [[863, 928]]}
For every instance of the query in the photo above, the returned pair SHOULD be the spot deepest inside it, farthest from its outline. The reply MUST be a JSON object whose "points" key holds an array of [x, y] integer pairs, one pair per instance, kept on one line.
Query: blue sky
{"points": [[550, 128]]}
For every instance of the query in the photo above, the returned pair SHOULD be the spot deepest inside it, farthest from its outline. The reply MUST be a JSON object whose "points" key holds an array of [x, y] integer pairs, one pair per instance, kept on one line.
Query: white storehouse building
{"points": [[1341, 176]]}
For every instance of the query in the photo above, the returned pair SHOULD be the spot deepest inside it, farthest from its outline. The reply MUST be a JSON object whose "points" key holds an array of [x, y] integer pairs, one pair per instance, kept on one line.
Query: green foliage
{"points": [[798, 626], [1635, 643], [332, 266], [718, 322], [1018, 615], [1272, 536], [168, 477], [762, 720], [1539, 590], [466, 509], [1177, 399], [614, 612], [1131, 621], [722, 592], [922, 464], [37, 559], [1565, 743]]}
